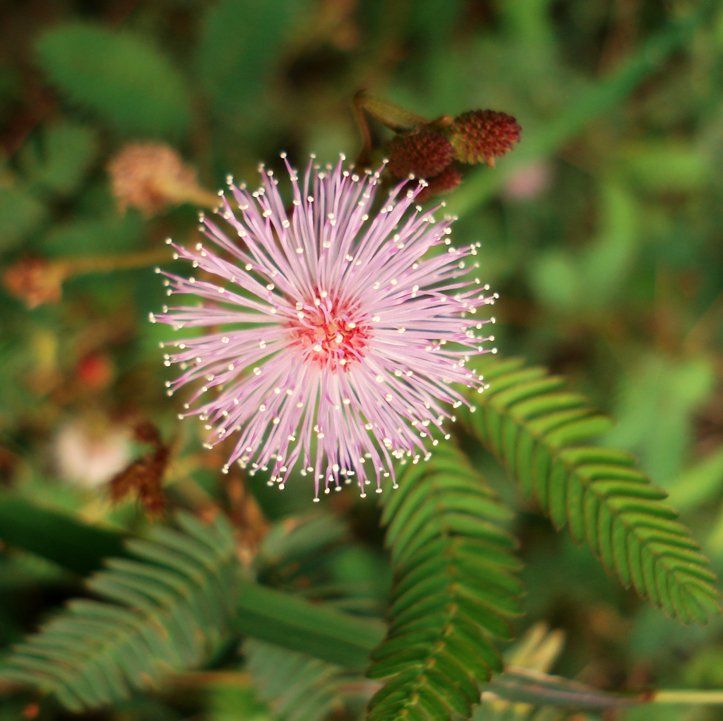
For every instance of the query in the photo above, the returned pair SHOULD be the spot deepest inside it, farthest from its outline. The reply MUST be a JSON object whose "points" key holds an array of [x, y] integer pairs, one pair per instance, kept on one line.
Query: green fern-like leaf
{"points": [[295, 686], [539, 430], [160, 611], [120, 77], [315, 558], [299, 558], [454, 592]]}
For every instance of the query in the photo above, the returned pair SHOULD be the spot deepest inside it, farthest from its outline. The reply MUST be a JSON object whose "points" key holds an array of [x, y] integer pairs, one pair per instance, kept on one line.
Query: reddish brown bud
{"points": [[447, 180], [480, 136], [423, 153], [35, 281], [94, 371], [31, 711]]}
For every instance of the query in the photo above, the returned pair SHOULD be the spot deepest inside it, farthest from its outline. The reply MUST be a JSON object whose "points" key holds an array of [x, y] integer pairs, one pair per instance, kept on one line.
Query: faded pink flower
{"points": [[88, 452], [528, 182], [332, 336]]}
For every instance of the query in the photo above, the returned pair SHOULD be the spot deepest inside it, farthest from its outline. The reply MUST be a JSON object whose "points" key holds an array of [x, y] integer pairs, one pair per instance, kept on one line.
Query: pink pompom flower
{"points": [[332, 333]]}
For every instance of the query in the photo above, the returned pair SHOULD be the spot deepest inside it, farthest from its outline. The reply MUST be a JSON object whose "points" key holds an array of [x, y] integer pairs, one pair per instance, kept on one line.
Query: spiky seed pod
{"points": [[447, 180], [480, 136], [423, 153]]}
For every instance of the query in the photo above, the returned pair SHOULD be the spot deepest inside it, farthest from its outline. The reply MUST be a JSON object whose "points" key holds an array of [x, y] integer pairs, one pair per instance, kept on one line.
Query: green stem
{"points": [[81, 265], [193, 194], [688, 697], [72, 544], [296, 624], [388, 114]]}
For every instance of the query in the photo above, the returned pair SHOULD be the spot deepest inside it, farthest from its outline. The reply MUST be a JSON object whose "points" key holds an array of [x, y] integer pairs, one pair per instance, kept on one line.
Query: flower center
{"points": [[331, 333]]}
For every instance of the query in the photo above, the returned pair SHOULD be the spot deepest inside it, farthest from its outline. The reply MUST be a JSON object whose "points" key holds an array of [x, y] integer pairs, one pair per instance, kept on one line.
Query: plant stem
{"points": [[294, 623], [193, 194], [69, 542], [192, 679], [81, 265], [687, 697], [388, 114]]}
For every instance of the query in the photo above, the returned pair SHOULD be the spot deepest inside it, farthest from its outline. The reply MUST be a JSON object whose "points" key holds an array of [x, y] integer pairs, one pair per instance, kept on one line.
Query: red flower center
{"points": [[331, 333]]}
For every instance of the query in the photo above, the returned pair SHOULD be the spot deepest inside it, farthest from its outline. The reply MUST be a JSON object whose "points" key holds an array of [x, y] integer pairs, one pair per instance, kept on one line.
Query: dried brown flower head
{"points": [[480, 136], [143, 478], [152, 176]]}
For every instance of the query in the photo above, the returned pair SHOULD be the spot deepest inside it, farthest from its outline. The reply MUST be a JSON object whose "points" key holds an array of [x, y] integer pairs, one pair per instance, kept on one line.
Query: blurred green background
{"points": [[602, 233]]}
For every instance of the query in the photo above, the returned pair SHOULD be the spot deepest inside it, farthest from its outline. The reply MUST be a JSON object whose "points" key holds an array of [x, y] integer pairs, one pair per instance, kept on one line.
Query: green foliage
{"points": [[21, 213], [161, 611], [295, 686], [315, 558], [590, 281], [234, 703], [303, 559], [590, 103], [58, 160], [537, 429], [700, 484], [51, 166], [239, 50], [120, 77], [111, 233], [454, 591], [56, 536], [601, 234], [655, 409]]}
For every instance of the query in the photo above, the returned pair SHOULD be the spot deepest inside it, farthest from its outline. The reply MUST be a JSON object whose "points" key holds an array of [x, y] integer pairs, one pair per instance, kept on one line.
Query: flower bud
{"points": [[447, 180], [94, 371], [423, 153], [35, 281], [480, 136]]}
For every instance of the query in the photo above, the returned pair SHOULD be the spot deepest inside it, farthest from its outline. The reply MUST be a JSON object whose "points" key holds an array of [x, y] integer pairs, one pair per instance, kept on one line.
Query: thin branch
{"points": [[83, 265]]}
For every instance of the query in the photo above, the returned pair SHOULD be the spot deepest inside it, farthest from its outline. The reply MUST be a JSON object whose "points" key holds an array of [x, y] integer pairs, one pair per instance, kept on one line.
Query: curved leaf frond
{"points": [[160, 611], [295, 686], [454, 591], [539, 431], [300, 558]]}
